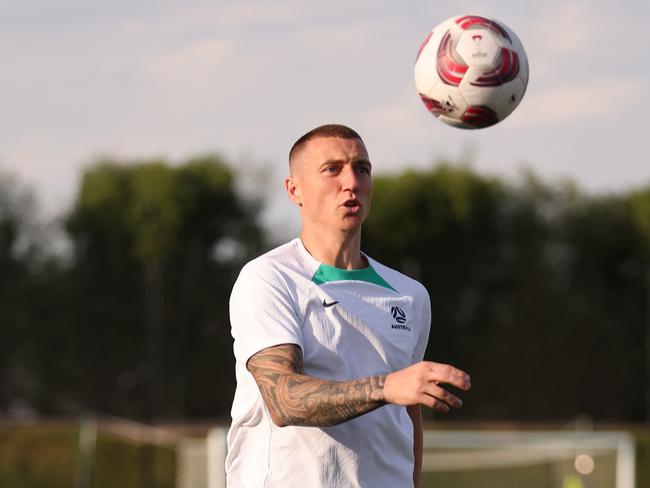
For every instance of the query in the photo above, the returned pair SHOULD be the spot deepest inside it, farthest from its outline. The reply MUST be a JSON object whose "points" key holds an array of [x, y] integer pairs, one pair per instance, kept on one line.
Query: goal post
{"points": [[217, 448], [479, 459], [538, 458]]}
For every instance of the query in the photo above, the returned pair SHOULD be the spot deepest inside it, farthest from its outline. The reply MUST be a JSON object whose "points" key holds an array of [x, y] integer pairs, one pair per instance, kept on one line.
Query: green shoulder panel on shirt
{"points": [[326, 273]]}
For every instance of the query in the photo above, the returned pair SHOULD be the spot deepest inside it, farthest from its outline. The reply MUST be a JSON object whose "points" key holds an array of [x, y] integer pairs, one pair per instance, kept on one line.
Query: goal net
{"points": [[558, 459], [473, 459]]}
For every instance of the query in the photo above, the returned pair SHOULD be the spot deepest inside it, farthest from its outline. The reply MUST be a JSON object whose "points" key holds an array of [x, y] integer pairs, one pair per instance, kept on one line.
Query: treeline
{"points": [[541, 292]]}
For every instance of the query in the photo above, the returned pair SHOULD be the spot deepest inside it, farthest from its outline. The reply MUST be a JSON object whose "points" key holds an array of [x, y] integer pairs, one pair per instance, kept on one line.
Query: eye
{"points": [[331, 169], [363, 169]]}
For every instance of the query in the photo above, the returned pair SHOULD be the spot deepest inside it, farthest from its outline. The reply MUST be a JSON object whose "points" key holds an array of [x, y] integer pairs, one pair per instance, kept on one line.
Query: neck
{"points": [[340, 251]]}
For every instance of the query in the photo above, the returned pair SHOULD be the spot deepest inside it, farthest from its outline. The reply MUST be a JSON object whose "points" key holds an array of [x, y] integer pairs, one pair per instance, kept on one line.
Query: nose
{"points": [[349, 179]]}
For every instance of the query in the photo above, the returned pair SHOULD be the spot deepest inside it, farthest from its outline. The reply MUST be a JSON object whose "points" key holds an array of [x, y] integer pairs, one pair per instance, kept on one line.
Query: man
{"points": [[329, 342]]}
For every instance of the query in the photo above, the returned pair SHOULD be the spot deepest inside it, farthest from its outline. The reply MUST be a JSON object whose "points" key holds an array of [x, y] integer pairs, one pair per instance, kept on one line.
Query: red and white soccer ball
{"points": [[471, 71]]}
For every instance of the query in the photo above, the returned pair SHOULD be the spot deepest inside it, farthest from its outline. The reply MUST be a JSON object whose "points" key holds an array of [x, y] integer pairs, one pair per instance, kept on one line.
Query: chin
{"points": [[351, 225]]}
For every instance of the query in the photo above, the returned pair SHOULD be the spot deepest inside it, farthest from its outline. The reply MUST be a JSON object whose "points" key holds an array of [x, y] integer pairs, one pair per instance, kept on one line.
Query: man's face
{"points": [[330, 180]]}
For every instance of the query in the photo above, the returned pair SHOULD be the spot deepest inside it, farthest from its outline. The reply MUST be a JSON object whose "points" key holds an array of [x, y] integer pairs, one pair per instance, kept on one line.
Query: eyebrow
{"points": [[364, 162]]}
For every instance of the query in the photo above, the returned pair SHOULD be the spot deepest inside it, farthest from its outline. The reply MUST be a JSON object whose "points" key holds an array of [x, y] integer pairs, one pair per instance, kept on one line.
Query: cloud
{"points": [[581, 37], [190, 70], [570, 27], [584, 101], [170, 78], [248, 15], [252, 18]]}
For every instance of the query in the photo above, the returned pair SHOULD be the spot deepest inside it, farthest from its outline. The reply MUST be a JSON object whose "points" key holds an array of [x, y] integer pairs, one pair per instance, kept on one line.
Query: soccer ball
{"points": [[471, 71]]}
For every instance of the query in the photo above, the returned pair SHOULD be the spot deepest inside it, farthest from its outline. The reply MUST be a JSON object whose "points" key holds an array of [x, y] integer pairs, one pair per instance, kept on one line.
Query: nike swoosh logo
{"points": [[326, 305]]}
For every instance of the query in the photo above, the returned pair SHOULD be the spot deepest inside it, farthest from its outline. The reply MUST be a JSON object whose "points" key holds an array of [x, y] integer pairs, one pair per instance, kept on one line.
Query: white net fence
{"points": [[472, 459], [528, 459]]}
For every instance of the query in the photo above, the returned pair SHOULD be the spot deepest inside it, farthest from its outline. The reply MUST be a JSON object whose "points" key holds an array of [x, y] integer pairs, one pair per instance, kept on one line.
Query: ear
{"points": [[293, 190]]}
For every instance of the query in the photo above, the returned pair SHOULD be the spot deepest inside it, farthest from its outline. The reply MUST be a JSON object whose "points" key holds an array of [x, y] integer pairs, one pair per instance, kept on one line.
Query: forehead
{"points": [[321, 149]]}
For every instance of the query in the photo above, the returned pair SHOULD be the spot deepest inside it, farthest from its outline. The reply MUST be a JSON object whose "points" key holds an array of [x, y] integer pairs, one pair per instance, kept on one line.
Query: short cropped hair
{"points": [[328, 130]]}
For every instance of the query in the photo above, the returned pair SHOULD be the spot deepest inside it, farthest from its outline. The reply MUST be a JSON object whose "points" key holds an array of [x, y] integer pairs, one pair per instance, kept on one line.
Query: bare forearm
{"points": [[294, 398], [304, 400]]}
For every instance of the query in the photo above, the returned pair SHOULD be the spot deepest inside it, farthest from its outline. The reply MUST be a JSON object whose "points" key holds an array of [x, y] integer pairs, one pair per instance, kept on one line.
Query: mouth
{"points": [[352, 205]]}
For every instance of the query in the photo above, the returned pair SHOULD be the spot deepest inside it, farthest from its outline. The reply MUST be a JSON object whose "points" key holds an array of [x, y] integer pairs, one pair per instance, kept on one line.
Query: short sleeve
{"points": [[263, 311], [425, 326]]}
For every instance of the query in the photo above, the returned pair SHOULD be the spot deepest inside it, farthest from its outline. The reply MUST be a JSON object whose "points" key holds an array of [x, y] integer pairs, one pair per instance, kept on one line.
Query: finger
{"points": [[435, 403], [443, 395], [444, 373]]}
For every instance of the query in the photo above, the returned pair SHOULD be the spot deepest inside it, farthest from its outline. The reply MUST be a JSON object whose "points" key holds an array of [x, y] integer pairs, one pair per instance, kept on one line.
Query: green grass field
{"points": [[539, 476], [44, 455]]}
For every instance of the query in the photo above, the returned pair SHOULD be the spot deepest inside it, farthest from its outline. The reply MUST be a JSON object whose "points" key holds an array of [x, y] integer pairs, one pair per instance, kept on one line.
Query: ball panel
{"points": [[475, 92], [426, 75], [455, 122], [451, 68], [479, 117], [446, 100], [508, 98], [517, 47], [425, 71], [504, 70], [523, 66], [423, 45], [478, 47], [472, 21]]}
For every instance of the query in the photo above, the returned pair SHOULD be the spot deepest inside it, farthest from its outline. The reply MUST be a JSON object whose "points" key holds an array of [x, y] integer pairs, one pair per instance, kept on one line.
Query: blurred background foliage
{"points": [[539, 290], [45, 455]]}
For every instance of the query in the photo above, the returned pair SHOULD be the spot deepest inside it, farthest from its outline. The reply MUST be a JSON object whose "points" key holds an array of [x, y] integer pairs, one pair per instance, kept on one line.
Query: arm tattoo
{"points": [[294, 398]]}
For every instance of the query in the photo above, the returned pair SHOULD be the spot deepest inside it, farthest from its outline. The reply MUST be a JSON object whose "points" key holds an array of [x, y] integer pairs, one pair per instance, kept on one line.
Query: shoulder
{"points": [[404, 284], [283, 267], [272, 262]]}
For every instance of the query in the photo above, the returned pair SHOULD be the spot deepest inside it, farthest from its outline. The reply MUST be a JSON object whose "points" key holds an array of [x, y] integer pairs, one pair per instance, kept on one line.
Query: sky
{"points": [[142, 79]]}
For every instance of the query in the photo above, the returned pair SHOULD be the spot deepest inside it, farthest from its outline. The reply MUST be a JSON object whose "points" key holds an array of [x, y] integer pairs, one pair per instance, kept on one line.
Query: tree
{"points": [[19, 385], [144, 237], [533, 288], [443, 226], [640, 202]]}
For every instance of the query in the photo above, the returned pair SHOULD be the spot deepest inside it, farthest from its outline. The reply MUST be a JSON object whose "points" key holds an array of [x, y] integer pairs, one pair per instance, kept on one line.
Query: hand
{"points": [[419, 385]]}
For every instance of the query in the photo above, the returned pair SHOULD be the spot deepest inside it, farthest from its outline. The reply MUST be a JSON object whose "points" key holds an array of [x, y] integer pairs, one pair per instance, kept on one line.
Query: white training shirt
{"points": [[349, 324]]}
